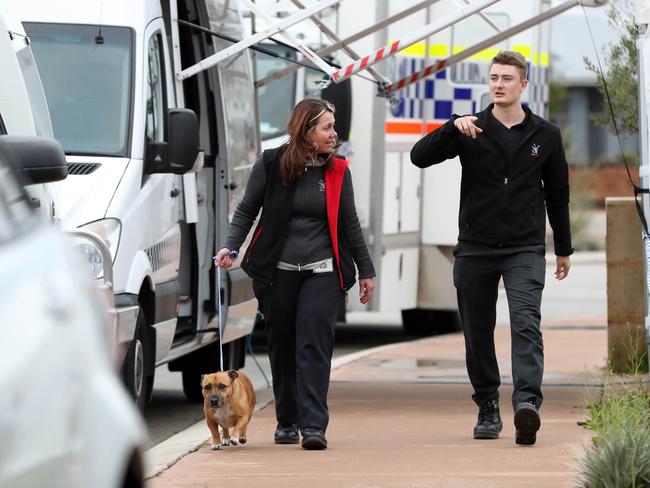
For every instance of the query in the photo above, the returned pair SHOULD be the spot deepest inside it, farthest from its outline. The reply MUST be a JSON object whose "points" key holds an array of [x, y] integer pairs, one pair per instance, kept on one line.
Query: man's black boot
{"points": [[489, 421], [286, 434], [313, 439], [527, 423]]}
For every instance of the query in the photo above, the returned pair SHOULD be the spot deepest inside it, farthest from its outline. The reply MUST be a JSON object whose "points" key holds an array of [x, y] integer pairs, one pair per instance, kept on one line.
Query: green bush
{"points": [[620, 460], [620, 454]]}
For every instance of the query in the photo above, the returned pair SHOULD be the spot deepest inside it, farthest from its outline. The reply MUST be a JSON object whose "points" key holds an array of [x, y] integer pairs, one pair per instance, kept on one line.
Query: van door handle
{"points": [[232, 186], [175, 192]]}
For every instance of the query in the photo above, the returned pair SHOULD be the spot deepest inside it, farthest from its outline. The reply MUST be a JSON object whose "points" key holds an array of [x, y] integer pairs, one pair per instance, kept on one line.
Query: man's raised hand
{"points": [[467, 127]]}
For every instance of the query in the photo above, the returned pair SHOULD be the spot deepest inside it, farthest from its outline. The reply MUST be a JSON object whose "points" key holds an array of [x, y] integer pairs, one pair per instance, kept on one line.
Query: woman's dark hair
{"points": [[300, 148]]}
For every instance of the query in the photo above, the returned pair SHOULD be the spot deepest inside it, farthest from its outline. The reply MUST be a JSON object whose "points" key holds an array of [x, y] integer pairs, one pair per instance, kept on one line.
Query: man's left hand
{"points": [[562, 265]]}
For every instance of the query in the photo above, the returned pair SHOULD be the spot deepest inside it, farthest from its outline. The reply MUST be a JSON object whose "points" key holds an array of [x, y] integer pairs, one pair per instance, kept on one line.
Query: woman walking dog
{"points": [[302, 260]]}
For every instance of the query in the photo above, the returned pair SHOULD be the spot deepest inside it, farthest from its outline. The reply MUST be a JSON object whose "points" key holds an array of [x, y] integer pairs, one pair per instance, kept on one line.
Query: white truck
{"points": [[155, 167], [410, 215]]}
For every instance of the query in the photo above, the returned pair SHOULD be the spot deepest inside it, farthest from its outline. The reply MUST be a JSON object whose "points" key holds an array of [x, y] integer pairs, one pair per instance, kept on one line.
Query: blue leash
{"points": [[259, 366]]}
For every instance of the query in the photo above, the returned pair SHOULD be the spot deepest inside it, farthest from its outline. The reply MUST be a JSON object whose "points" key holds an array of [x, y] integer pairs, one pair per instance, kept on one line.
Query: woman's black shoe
{"points": [[286, 434], [313, 439]]}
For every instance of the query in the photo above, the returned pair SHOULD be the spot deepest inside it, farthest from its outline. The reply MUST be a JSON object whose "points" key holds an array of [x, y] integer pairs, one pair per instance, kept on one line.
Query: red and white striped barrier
{"points": [[417, 76], [363, 63]]}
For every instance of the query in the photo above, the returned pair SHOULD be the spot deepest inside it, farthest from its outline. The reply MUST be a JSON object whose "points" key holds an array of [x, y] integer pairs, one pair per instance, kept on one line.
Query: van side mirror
{"points": [[34, 159], [340, 95], [183, 139], [179, 154]]}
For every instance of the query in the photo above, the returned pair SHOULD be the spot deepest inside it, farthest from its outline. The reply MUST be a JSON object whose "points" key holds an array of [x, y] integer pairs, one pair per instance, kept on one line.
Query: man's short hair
{"points": [[512, 58]]}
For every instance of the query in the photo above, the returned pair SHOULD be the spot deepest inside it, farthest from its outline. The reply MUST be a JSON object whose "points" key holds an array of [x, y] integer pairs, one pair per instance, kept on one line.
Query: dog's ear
{"points": [[233, 374], [202, 376]]}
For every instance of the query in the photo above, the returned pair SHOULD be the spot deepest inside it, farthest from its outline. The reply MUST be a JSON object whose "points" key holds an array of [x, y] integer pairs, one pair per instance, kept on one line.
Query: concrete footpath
{"points": [[402, 416]]}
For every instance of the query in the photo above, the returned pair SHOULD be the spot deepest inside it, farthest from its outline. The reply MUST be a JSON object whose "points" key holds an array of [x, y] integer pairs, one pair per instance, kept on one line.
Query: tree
{"points": [[621, 75]]}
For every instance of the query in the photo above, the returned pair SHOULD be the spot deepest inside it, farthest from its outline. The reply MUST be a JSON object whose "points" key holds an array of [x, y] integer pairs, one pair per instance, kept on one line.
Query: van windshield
{"points": [[87, 77]]}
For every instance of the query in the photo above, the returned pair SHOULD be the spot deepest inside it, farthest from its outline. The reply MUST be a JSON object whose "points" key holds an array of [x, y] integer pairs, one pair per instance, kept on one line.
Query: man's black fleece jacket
{"points": [[502, 199]]}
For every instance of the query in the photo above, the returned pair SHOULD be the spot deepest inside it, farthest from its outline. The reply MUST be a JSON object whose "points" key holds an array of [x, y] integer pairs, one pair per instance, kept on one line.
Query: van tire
{"points": [[137, 371], [134, 475]]}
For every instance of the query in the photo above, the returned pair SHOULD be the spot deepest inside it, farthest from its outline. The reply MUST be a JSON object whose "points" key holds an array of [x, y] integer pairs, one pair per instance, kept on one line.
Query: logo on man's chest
{"points": [[535, 150]]}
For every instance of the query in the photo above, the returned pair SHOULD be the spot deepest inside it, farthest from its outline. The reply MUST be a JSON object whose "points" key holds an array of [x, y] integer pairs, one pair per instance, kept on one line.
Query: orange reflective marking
{"points": [[407, 127]]}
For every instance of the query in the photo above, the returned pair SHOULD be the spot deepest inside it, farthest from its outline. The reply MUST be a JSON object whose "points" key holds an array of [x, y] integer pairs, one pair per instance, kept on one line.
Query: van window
{"points": [[278, 97], [155, 91], [35, 92], [87, 77]]}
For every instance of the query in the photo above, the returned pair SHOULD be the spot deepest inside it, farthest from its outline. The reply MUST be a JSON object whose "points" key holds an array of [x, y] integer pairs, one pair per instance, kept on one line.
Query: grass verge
{"points": [[619, 456]]}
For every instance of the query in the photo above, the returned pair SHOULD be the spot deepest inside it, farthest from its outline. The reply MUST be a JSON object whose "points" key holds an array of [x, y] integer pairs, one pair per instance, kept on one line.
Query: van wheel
{"points": [[134, 475], [137, 371]]}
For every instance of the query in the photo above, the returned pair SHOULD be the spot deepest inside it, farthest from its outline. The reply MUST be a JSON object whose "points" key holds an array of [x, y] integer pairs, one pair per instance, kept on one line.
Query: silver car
{"points": [[65, 418]]}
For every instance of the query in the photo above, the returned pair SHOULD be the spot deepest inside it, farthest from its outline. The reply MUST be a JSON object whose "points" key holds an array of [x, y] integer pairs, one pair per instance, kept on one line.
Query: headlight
{"points": [[109, 230], [93, 255]]}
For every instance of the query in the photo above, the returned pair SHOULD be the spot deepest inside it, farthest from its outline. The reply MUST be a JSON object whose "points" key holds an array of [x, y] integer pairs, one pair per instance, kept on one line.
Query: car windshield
{"points": [[87, 77]]}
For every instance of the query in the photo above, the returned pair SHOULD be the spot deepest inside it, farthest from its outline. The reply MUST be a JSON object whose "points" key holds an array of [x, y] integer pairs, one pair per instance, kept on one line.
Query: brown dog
{"points": [[228, 402]]}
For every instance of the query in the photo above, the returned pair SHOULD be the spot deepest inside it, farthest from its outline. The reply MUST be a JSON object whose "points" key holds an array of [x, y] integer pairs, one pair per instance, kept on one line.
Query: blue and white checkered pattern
{"points": [[437, 98], [431, 98]]}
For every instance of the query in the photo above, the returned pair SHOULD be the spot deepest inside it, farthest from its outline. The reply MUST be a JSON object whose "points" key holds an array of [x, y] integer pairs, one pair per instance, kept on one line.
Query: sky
{"points": [[570, 41]]}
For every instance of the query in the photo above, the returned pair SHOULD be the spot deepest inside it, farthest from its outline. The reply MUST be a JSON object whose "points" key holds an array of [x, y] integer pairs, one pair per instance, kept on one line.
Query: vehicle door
{"points": [[163, 191]]}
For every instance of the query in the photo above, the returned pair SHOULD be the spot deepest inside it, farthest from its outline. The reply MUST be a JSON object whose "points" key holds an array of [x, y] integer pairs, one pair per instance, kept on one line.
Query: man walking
{"points": [[514, 172]]}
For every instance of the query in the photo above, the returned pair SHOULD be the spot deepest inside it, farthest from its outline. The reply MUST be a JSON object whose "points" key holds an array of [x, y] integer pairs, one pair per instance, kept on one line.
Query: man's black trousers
{"points": [[300, 311], [477, 281]]}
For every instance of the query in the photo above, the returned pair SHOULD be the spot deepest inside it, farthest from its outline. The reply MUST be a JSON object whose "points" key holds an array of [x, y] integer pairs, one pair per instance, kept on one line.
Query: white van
{"points": [[109, 71]]}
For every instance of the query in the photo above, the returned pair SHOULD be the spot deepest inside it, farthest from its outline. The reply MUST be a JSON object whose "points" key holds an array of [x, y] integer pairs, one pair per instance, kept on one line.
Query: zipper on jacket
{"points": [[304, 198], [503, 210]]}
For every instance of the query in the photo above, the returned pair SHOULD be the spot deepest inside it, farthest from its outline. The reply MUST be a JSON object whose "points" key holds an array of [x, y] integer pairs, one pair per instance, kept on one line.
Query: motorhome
{"points": [[410, 215], [156, 166]]}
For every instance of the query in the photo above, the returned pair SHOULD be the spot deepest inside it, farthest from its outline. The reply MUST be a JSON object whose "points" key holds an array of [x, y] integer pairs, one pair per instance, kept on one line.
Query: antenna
{"points": [[99, 39]]}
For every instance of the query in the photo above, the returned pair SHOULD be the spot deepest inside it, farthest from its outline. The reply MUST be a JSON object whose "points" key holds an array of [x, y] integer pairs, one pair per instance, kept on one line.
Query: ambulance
{"points": [[409, 215]]}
